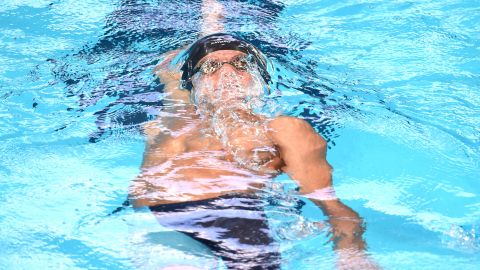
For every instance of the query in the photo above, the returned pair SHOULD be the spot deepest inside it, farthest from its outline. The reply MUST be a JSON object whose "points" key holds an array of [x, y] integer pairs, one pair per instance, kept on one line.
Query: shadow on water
{"points": [[112, 77]]}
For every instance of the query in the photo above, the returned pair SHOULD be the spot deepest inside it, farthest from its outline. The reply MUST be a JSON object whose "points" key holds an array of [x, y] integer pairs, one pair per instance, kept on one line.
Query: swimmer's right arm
{"points": [[213, 14], [170, 76], [212, 22], [143, 189], [158, 141]]}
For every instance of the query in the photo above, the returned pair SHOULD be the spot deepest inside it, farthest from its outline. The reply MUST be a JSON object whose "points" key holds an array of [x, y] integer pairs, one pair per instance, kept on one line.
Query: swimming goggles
{"points": [[240, 62]]}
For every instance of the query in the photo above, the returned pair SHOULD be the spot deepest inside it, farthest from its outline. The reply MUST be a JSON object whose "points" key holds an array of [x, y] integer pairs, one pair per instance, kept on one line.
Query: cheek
{"points": [[243, 80], [203, 89], [200, 84], [247, 81]]}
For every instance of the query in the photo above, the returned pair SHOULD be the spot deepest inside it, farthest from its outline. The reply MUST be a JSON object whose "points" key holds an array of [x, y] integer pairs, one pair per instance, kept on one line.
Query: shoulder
{"points": [[289, 124], [287, 129]]}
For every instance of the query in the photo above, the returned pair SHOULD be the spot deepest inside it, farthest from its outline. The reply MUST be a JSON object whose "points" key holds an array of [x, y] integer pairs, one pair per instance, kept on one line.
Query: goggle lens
{"points": [[241, 63]]}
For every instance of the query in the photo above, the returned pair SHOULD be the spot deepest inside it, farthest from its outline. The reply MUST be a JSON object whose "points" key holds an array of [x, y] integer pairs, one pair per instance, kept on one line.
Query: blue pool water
{"points": [[392, 85]]}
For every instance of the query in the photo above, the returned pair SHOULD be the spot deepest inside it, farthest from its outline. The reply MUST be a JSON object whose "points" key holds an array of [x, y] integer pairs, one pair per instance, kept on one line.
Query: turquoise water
{"points": [[393, 87]]}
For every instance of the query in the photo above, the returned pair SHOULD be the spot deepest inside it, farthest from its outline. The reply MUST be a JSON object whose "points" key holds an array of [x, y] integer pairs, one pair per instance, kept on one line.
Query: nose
{"points": [[227, 67]]}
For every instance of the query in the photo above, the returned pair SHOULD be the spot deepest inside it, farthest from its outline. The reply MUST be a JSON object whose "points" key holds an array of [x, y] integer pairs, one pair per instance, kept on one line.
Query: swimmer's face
{"points": [[226, 75]]}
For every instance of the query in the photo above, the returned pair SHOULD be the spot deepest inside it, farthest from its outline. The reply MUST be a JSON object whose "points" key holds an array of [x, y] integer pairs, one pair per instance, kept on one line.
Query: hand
{"points": [[355, 260], [346, 232], [348, 258]]}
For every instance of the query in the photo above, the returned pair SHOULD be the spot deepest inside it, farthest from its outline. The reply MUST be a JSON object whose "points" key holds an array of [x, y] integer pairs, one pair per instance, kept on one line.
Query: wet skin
{"points": [[185, 160], [190, 163]]}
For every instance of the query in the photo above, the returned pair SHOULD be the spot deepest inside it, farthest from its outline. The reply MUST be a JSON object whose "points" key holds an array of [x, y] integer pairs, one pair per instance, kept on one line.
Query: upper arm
{"points": [[170, 78], [159, 149], [303, 151], [160, 145]]}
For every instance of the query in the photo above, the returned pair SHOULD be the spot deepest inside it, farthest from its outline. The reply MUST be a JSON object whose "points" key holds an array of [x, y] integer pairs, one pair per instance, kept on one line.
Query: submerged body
{"points": [[219, 145], [207, 158], [210, 151], [191, 162], [215, 145]]}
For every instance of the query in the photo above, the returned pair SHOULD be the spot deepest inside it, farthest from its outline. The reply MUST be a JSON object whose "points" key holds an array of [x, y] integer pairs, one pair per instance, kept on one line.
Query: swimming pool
{"points": [[393, 86]]}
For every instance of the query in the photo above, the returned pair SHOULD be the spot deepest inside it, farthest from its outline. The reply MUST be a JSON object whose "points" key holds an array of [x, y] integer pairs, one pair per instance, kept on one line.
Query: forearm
{"points": [[212, 17], [347, 235], [346, 225], [169, 75], [304, 154]]}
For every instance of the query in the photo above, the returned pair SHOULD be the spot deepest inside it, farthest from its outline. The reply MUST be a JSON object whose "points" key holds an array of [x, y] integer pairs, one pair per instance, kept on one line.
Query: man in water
{"points": [[210, 154]]}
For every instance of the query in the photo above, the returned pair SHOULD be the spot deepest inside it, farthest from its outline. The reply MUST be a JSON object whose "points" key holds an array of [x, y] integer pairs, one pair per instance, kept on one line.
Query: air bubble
{"points": [[465, 237]]}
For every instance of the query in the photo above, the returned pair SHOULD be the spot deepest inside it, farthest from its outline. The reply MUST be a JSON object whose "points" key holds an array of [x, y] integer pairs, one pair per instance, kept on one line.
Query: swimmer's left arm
{"points": [[303, 151]]}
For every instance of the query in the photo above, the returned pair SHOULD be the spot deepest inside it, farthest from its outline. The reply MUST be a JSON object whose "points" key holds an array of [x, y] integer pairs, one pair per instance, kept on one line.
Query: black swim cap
{"points": [[217, 42]]}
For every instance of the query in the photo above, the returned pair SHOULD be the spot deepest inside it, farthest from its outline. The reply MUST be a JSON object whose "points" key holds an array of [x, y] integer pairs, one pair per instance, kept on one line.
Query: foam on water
{"points": [[230, 107]]}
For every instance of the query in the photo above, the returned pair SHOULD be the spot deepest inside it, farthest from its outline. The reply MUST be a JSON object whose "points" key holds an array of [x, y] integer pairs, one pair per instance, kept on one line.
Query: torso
{"points": [[191, 163]]}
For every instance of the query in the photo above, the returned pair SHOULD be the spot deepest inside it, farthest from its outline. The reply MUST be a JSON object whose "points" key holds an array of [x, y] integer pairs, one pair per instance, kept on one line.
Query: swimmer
{"points": [[209, 153]]}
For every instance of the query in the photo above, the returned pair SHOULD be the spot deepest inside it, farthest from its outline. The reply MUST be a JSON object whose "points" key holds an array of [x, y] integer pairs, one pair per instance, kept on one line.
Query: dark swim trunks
{"points": [[233, 226]]}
